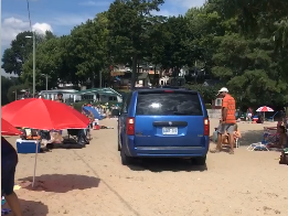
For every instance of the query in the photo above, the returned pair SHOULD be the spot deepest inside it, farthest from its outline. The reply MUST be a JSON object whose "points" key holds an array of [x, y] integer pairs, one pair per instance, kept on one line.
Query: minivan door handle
{"points": [[170, 123]]}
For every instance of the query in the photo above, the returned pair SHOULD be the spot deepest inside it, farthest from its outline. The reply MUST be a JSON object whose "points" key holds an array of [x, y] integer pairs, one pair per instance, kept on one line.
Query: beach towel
{"points": [[257, 147], [215, 136]]}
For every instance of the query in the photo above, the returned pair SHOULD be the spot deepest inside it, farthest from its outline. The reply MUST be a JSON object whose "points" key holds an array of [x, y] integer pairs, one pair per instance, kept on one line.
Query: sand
{"points": [[92, 181]]}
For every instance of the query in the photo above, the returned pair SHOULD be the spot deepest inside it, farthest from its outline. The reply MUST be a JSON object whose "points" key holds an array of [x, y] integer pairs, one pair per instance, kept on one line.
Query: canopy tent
{"points": [[96, 114], [100, 91]]}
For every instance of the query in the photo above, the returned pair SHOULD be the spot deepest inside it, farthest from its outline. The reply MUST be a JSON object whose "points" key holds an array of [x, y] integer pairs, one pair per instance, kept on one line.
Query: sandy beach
{"points": [[92, 181]]}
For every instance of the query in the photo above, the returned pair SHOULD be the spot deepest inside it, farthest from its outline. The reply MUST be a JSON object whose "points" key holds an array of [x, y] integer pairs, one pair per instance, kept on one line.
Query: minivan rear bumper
{"points": [[166, 151]]}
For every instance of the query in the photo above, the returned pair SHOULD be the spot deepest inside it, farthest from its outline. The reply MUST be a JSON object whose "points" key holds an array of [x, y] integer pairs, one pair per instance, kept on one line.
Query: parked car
{"points": [[163, 122]]}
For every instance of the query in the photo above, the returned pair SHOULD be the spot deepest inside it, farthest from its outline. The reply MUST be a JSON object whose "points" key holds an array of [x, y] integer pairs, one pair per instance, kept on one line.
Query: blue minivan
{"points": [[163, 122]]}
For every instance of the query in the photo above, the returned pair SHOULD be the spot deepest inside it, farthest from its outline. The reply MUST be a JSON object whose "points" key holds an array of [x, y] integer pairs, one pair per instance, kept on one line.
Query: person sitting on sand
{"points": [[283, 138], [9, 160], [273, 137], [279, 123]]}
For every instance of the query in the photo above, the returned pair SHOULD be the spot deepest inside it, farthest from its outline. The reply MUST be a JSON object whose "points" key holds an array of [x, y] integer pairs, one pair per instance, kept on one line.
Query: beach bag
{"points": [[215, 136], [284, 157]]}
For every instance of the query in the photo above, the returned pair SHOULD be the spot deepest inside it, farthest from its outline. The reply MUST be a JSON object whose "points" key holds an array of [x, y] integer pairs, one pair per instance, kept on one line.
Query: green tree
{"points": [[129, 22], [7, 83], [49, 63], [87, 47], [14, 90], [248, 64], [21, 47], [174, 49], [205, 24]]}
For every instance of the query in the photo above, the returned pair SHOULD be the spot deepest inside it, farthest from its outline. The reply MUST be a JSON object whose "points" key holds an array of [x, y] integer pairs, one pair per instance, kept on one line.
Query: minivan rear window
{"points": [[168, 103]]}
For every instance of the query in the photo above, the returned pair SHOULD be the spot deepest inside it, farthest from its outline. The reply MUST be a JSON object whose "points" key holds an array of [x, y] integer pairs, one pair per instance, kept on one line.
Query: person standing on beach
{"points": [[228, 119], [9, 160], [282, 115], [60, 98]]}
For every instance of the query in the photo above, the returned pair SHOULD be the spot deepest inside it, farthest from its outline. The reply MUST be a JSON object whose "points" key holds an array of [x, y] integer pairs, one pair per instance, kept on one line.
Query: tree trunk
{"points": [[92, 79], [134, 71]]}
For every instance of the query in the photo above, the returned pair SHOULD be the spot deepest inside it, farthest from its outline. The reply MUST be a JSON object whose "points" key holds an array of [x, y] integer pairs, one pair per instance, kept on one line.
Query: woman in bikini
{"points": [[282, 139]]}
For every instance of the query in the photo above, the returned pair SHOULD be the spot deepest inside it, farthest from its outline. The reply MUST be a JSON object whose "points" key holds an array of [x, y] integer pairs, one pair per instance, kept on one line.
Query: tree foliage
{"points": [[240, 44], [129, 22], [21, 47]]}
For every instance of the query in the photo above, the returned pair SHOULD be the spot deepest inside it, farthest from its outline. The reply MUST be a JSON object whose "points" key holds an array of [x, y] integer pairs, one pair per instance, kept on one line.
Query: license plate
{"points": [[169, 130]]}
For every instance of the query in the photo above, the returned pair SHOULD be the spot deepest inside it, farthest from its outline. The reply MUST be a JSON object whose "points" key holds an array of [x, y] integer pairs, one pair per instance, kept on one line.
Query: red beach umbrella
{"points": [[8, 129], [43, 114], [264, 109]]}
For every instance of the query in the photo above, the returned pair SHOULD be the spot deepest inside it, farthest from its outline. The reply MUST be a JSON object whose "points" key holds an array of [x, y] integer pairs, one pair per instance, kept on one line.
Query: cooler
{"points": [[27, 146], [96, 127]]}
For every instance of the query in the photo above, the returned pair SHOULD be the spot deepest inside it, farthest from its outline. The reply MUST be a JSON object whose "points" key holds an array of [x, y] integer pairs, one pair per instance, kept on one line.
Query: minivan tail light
{"points": [[130, 126], [206, 127], [168, 91]]}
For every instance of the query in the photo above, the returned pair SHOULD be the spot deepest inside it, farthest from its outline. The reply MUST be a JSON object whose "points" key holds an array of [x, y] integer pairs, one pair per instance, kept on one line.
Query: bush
{"points": [[208, 106], [78, 106]]}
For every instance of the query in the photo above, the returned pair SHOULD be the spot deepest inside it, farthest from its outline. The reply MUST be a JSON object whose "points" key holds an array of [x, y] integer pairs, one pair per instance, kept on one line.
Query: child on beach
{"points": [[236, 135]]}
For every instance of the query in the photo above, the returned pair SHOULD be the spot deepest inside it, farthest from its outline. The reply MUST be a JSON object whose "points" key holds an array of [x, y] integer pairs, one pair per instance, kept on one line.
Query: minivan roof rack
{"points": [[161, 87], [171, 87]]}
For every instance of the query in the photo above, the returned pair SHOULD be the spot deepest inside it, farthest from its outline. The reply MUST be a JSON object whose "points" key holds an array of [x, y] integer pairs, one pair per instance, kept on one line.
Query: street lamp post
{"points": [[46, 80], [34, 62]]}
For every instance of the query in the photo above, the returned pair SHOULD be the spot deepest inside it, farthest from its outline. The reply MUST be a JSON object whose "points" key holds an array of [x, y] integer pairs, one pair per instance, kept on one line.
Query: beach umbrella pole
{"points": [[35, 164]]}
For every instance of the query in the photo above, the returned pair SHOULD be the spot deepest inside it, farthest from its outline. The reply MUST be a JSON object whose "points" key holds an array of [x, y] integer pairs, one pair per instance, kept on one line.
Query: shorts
{"points": [[8, 174], [226, 128]]}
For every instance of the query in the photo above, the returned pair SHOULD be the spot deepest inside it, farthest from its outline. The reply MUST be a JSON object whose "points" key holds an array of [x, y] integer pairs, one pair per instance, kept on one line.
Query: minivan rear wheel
{"points": [[119, 146], [201, 161], [125, 160]]}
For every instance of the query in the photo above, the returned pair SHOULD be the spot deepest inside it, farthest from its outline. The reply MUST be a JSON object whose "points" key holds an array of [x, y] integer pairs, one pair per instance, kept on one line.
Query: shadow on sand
{"points": [[250, 137], [60, 183], [33, 208], [163, 164]]}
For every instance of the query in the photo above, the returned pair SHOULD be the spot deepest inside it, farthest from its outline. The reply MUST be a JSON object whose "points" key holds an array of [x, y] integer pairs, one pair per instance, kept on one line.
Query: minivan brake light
{"points": [[130, 126], [206, 127]]}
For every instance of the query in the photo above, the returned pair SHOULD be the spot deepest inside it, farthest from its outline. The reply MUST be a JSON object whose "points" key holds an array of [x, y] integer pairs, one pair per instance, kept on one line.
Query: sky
{"points": [[60, 16]]}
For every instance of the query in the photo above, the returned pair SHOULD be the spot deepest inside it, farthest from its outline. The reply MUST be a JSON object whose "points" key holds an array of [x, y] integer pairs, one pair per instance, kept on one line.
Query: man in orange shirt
{"points": [[228, 119]]}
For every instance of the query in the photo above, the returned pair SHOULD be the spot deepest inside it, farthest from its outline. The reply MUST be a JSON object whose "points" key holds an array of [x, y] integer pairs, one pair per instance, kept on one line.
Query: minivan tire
{"points": [[125, 160], [201, 161]]}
